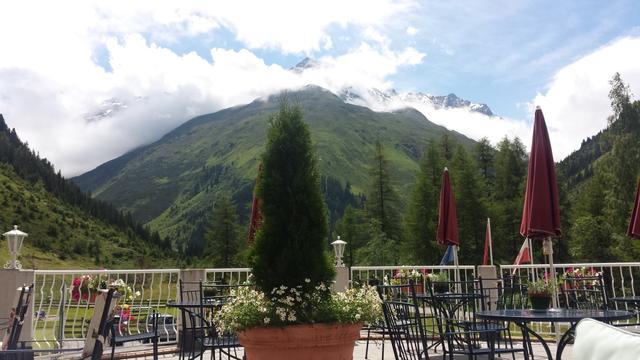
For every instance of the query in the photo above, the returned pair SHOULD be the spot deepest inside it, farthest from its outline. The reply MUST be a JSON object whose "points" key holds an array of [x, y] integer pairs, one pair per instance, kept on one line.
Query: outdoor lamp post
{"points": [[338, 251], [14, 241]]}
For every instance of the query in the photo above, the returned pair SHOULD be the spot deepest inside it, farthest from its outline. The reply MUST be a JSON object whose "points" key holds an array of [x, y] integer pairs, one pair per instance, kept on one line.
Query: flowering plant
{"points": [[404, 275], [441, 276], [287, 306], [578, 272], [124, 290], [581, 276], [539, 288]]}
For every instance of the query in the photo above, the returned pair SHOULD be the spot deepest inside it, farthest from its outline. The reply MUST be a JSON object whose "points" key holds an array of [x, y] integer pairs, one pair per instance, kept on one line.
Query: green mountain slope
{"points": [[172, 183], [67, 229]]}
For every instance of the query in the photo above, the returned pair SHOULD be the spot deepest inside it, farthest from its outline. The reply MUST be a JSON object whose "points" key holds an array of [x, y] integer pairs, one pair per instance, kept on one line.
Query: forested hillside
{"points": [[65, 225]]}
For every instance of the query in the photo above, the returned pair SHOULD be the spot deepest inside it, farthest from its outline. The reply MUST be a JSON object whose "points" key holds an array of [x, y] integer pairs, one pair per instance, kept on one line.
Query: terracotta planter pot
{"points": [[309, 342]]}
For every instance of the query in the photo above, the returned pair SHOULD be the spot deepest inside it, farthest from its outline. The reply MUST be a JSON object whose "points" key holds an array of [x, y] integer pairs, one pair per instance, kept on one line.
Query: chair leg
{"points": [[366, 349], [155, 349]]}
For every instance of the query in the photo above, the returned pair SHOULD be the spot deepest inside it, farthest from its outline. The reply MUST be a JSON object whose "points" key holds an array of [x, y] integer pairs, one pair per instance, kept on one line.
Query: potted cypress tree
{"points": [[292, 313]]}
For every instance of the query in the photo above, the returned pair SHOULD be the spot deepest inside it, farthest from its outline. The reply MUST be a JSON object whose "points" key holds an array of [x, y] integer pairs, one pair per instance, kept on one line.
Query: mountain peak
{"points": [[306, 63]]}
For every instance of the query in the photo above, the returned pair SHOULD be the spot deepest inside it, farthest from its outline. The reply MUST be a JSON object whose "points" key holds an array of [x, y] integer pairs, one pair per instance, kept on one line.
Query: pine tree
{"points": [[484, 155], [470, 207], [383, 203], [511, 170], [222, 238], [422, 211], [290, 246]]}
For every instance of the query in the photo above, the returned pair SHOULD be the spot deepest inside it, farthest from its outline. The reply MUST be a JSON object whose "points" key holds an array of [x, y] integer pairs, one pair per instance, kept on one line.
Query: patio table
{"points": [[631, 300], [522, 318]]}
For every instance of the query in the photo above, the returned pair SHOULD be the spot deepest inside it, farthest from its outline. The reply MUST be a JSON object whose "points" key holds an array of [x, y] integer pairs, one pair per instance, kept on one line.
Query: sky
{"points": [[86, 81]]}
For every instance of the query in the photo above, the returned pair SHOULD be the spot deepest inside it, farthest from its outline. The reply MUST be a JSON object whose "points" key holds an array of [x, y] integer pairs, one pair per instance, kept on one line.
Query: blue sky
{"points": [[501, 53], [167, 62]]}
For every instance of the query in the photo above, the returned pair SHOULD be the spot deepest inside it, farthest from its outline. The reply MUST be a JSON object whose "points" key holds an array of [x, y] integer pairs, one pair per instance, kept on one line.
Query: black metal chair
{"points": [[118, 338], [583, 292], [460, 332], [190, 292], [104, 327], [14, 349], [403, 322], [224, 344], [511, 295]]}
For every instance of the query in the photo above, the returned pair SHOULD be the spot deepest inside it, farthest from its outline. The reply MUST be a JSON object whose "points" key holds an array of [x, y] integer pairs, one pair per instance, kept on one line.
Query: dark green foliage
{"points": [[422, 212], [223, 236], [291, 245], [591, 239], [64, 224], [171, 184], [470, 205], [506, 208], [351, 228], [603, 187], [28, 165], [485, 154], [383, 204]]}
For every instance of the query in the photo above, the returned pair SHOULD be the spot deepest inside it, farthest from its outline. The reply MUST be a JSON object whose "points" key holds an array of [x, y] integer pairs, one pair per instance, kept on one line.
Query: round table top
{"points": [[451, 295], [194, 304], [630, 299], [556, 315]]}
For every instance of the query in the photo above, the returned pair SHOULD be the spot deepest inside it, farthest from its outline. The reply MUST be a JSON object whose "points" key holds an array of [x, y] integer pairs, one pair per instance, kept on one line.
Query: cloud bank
{"points": [[86, 81], [62, 67], [576, 103]]}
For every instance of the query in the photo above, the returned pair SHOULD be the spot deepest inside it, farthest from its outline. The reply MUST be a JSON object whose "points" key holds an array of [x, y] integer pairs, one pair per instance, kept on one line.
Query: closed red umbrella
{"points": [[634, 224], [541, 211], [447, 233], [256, 215], [447, 221]]}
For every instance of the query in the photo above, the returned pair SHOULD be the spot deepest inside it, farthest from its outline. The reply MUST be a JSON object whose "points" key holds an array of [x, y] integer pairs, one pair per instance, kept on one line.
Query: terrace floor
{"points": [[375, 352]]}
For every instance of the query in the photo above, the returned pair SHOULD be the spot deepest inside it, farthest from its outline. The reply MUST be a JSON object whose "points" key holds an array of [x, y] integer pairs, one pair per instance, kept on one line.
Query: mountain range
{"points": [[172, 184]]}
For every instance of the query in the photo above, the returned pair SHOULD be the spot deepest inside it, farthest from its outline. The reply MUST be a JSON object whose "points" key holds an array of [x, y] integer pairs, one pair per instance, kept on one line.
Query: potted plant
{"points": [[540, 293], [439, 281], [292, 313], [409, 276]]}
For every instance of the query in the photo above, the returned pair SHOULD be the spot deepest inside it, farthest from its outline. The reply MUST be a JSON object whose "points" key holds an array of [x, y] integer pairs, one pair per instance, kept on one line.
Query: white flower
{"points": [[307, 280], [266, 320]]}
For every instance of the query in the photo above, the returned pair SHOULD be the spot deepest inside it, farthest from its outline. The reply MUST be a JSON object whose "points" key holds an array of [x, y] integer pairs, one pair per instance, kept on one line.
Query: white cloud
{"points": [[411, 31], [576, 104], [161, 89], [51, 80]]}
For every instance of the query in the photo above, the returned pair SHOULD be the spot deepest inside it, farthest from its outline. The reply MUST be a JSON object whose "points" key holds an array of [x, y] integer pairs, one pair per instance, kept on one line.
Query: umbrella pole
{"points": [[548, 246], [455, 262], [533, 269], [490, 241]]}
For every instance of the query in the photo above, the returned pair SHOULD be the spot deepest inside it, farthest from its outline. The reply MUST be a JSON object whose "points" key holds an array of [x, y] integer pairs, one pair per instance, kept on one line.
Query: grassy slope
{"points": [[167, 185], [55, 228]]}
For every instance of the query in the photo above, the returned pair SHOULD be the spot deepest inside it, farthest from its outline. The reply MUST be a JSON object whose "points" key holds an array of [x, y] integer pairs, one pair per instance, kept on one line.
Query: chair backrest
{"points": [[599, 341], [512, 293], [24, 300], [106, 320], [583, 292], [190, 291], [404, 322]]}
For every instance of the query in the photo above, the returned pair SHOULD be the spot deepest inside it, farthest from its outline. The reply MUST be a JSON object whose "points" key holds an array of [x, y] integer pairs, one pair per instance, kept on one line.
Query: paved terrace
{"points": [[375, 352]]}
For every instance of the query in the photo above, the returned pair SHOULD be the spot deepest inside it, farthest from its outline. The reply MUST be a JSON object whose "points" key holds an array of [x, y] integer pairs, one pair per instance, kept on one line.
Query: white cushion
{"points": [[599, 341]]}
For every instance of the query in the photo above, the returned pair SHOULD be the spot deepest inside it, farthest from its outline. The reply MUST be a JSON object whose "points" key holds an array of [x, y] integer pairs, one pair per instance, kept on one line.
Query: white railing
{"points": [[62, 310], [63, 307], [230, 276], [378, 274], [619, 280]]}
